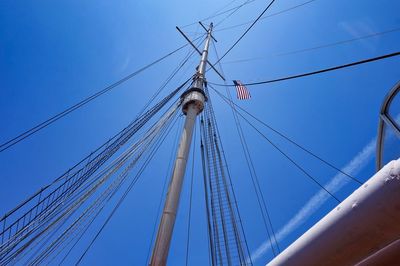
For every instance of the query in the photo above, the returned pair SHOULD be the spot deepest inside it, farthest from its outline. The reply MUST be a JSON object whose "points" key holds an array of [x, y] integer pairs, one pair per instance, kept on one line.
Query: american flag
{"points": [[242, 92]]}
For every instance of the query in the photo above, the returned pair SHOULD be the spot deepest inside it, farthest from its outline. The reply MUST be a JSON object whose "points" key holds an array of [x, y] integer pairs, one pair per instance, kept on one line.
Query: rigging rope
{"points": [[137, 149], [137, 176], [268, 16], [254, 178], [4, 146], [289, 158], [218, 13], [118, 140], [227, 240], [129, 188], [22, 219], [211, 243], [249, 260], [72, 207], [172, 75], [375, 34], [230, 102], [245, 32], [233, 12], [158, 128]]}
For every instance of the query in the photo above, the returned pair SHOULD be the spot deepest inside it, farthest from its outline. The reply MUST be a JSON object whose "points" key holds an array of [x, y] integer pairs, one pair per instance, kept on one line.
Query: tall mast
{"points": [[192, 105]]}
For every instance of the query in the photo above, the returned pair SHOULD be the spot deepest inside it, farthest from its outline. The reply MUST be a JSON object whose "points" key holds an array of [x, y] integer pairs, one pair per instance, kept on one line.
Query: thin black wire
{"points": [[4, 146], [289, 158], [315, 72], [245, 32], [218, 13], [228, 101], [375, 34], [264, 17], [233, 12], [190, 199]]}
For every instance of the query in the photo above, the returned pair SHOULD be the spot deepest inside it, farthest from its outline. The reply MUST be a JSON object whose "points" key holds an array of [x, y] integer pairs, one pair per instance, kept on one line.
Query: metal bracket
{"points": [[199, 52], [201, 24]]}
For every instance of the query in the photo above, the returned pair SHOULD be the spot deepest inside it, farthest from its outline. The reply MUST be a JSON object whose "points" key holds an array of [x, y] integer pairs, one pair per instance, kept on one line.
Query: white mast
{"points": [[193, 104]]}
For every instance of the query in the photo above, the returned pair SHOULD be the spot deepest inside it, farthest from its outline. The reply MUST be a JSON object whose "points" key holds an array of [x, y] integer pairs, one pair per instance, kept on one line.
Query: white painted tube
{"points": [[365, 222]]}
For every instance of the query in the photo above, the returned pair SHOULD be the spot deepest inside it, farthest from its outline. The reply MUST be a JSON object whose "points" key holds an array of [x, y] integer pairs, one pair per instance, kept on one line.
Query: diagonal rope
{"points": [[53, 203], [367, 36], [298, 166], [267, 16], [84, 232], [11, 142], [233, 12], [230, 102], [110, 170], [129, 188], [317, 47], [245, 32], [220, 12], [172, 75], [151, 136]]}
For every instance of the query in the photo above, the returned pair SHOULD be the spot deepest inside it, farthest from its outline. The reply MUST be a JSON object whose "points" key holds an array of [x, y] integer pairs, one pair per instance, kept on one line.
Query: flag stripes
{"points": [[241, 91]]}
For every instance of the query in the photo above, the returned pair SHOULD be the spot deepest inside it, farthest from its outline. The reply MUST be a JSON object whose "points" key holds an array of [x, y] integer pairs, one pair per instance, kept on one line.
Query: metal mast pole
{"points": [[192, 104]]}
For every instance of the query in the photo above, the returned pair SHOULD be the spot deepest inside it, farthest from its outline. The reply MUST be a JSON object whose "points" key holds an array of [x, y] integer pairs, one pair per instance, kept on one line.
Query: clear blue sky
{"points": [[55, 53]]}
